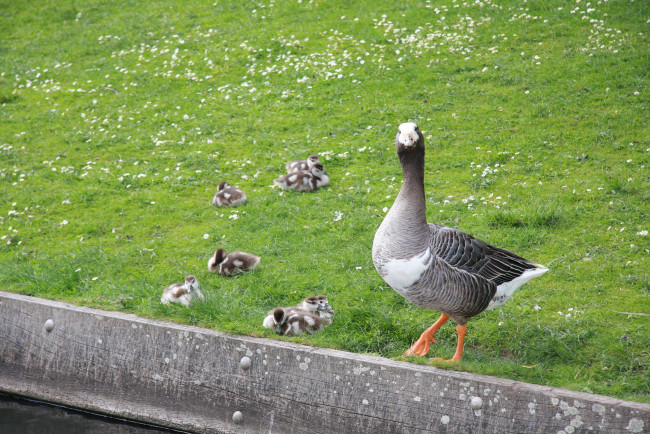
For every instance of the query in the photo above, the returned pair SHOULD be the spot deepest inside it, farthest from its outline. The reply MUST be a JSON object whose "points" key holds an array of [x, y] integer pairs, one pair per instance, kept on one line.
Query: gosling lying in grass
{"points": [[182, 292], [228, 195], [297, 322], [310, 307], [307, 180], [229, 264]]}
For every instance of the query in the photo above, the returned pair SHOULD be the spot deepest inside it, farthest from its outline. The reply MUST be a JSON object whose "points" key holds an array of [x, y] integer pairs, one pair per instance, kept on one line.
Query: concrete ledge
{"points": [[196, 379]]}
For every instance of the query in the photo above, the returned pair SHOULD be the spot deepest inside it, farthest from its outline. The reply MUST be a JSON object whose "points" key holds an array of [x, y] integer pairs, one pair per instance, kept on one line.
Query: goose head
{"points": [[310, 304], [279, 318], [222, 186], [219, 256], [317, 169], [312, 160], [191, 283], [323, 304], [409, 138]]}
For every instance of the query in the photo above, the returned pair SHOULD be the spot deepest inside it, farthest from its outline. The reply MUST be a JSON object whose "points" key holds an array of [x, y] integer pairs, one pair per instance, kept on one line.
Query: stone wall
{"points": [[201, 380]]}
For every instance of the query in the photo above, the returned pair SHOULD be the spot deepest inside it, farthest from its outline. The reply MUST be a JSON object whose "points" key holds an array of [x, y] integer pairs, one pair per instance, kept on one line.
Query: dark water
{"points": [[24, 416]]}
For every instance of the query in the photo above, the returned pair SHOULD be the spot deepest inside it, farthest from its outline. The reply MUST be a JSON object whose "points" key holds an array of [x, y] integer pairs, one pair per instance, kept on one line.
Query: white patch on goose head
{"points": [[401, 274], [407, 134]]}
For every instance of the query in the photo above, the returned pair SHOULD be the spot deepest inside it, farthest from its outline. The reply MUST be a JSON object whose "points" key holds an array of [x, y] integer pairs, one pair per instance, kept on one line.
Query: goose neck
{"points": [[411, 196]]}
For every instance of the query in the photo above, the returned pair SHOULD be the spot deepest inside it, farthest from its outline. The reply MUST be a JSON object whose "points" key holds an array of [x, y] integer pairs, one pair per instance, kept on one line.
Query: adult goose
{"points": [[438, 267]]}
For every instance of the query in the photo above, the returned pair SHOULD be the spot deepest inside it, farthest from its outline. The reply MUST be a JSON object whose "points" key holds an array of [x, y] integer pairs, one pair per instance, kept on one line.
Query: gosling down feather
{"points": [[438, 267]]}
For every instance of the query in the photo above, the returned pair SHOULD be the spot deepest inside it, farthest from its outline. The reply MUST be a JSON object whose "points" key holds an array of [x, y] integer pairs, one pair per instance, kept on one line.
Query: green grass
{"points": [[119, 121]]}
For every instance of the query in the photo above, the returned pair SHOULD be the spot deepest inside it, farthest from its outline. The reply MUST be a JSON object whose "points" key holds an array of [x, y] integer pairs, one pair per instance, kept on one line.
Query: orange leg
{"points": [[423, 344], [460, 331]]}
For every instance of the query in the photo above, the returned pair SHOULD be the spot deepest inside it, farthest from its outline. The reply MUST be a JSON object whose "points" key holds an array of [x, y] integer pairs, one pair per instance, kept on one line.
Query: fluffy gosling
{"points": [[229, 264], [182, 292], [228, 195]]}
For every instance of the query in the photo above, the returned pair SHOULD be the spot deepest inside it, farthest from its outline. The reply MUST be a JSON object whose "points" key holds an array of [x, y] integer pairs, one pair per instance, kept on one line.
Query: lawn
{"points": [[119, 120]]}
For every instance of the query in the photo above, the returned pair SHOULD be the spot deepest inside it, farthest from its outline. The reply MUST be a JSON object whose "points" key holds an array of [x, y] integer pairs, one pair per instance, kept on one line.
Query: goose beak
{"points": [[410, 138], [407, 140]]}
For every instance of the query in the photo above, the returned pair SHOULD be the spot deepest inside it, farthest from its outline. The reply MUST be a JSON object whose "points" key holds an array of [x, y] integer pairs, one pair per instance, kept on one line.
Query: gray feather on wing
{"points": [[464, 252]]}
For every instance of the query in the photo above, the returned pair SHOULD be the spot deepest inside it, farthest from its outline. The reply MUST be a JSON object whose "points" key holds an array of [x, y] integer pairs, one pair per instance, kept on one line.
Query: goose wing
{"points": [[463, 251], [177, 290]]}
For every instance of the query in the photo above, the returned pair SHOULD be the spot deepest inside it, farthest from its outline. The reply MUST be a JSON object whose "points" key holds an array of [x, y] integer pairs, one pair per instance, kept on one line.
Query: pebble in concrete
{"points": [[245, 363]]}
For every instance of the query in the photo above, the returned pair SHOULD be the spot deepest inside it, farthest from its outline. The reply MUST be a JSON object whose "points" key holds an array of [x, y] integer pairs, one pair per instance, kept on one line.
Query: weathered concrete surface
{"points": [[194, 379]]}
